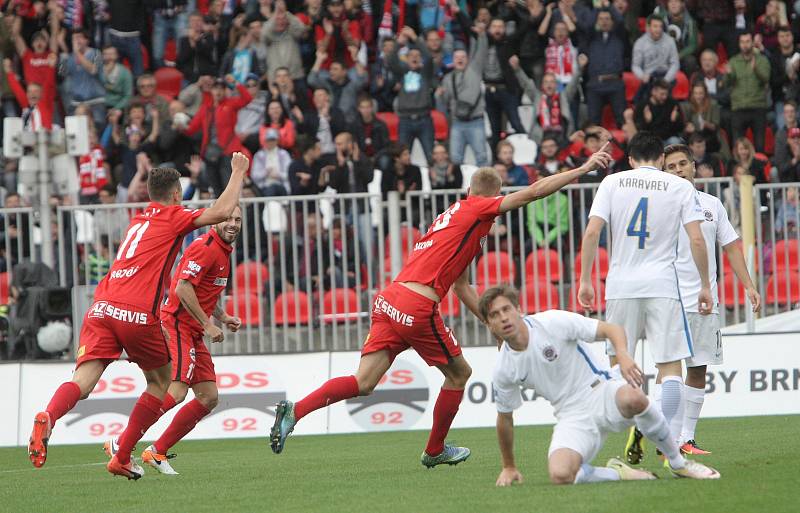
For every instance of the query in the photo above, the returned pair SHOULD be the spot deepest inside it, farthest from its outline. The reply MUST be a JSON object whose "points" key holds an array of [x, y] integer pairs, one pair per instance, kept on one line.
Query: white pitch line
{"points": [[77, 465]]}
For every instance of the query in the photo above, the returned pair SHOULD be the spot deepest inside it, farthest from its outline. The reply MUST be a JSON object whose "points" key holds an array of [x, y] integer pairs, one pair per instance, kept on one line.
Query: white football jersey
{"points": [[556, 363], [716, 229], [645, 209]]}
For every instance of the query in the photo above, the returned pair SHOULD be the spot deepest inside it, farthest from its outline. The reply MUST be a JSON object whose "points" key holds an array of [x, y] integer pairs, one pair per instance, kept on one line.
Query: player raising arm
{"points": [[125, 313], [406, 313], [547, 352]]}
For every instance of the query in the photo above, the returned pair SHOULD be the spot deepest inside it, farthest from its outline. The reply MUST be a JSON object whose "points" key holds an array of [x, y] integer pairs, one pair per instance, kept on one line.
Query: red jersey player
{"points": [[406, 313], [125, 313], [202, 275]]}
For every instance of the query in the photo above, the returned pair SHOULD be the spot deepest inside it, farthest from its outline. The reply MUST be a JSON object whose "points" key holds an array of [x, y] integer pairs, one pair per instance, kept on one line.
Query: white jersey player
{"points": [[706, 339], [646, 209], [548, 353]]}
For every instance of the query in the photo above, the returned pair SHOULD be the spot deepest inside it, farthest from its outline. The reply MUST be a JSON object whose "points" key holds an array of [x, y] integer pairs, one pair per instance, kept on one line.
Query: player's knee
{"points": [[561, 475], [209, 400], [637, 402], [462, 375], [178, 394], [365, 386]]}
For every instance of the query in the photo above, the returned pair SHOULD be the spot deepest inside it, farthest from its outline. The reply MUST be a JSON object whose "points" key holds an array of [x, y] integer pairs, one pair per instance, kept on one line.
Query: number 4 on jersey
{"points": [[638, 225]]}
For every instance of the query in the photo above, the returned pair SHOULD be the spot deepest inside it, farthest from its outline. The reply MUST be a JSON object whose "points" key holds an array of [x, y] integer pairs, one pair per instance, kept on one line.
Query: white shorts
{"points": [[659, 320], [706, 340], [585, 431]]}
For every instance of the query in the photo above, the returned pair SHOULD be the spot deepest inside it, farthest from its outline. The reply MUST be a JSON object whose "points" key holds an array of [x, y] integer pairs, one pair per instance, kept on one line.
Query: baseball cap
{"points": [[794, 132], [271, 134]]}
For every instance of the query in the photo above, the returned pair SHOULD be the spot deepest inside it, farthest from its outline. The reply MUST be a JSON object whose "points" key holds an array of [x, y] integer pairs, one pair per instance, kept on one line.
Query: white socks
{"points": [[653, 425], [672, 404], [590, 474], [693, 399]]}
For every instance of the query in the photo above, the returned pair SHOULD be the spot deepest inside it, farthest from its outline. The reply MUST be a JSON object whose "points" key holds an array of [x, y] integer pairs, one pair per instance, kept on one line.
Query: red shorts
{"points": [[191, 361], [401, 318], [108, 328]]}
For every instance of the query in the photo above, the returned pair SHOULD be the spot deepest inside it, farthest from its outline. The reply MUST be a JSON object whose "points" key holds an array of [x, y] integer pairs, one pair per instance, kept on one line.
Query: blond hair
{"points": [[485, 182]]}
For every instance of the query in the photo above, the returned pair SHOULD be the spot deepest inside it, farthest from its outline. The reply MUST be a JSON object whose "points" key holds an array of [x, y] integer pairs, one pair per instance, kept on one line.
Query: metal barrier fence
{"points": [[306, 268]]}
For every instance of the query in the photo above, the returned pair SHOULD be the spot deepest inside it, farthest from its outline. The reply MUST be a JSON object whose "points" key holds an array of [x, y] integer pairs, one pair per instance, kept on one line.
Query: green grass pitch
{"points": [[757, 456]]}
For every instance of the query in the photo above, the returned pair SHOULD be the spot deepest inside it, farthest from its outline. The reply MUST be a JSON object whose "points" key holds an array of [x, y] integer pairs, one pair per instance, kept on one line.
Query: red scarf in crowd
{"points": [[550, 112], [559, 58]]}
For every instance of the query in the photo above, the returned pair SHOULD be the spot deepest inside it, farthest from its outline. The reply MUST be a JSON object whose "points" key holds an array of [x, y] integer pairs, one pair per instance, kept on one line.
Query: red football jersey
{"points": [[206, 265], [145, 258], [452, 241]]}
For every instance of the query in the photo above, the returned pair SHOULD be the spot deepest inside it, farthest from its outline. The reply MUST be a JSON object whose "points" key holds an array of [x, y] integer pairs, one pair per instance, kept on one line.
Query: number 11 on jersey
{"points": [[638, 225]]}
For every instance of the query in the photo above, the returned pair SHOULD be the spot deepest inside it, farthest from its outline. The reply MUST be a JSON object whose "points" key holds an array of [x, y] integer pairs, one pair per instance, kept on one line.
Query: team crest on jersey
{"points": [[483, 240], [549, 353], [192, 354], [708, 215]]}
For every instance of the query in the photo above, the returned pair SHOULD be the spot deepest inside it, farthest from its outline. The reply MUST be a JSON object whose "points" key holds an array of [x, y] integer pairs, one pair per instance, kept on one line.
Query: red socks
{"points": [[443, 414], [334, 390], [145, 413], [64, 399], [185, 420]]}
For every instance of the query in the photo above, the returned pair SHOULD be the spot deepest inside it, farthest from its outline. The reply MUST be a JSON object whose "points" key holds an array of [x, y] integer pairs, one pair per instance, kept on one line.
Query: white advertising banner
{"points": [[761, 376]]}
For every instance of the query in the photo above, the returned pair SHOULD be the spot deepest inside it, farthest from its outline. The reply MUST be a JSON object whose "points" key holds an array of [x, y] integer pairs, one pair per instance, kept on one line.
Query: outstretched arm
{"points": [[547, 186], [505, 439], [222, 208]]}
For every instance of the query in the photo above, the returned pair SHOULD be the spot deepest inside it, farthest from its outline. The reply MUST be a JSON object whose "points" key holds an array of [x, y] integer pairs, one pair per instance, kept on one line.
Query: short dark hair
{"points": [[486, 299], [660, 84], [305, 143], [785, 28], [655, 17], [745, 33], [679, 148], [695, 138], [162, 182], [645, 146], [110, 189]]}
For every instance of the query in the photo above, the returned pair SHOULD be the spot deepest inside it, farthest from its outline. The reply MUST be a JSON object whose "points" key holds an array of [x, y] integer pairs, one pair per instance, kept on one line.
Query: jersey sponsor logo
{"points": [[549, 352], [102, 309], [383, 306], [423, 245], [398, 402], [192, 268], [221, 282], [708, 215], [123, 273]]}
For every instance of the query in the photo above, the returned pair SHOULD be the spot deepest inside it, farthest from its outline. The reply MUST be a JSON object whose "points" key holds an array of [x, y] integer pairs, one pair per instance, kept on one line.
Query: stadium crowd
{"points": [[322, 93]]}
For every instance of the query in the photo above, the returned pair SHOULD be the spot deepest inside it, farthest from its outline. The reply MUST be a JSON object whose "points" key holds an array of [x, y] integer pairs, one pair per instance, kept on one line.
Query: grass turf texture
{"points": [[374, 472]]}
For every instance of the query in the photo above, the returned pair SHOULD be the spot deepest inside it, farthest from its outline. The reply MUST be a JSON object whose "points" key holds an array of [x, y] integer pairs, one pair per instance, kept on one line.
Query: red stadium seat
{"points": [[168, 82], [440, 128], [540, 297], [5, 286], [722, 53], [295, 311], [632, 84], [681, 90], [392, 123], [250, 277], [732, 292], [495, 267], [340, 305], [782, 292], [246, 306], [450, 306], [408, 236], [726, 263], [601, 261], [786, 256], [547, 264], [619, 136], [642, 24], [599, 299]]}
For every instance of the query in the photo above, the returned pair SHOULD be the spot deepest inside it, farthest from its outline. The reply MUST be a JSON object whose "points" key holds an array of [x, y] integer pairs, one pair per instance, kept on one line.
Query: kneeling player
{"points": [[201, 277], [544, 352]]}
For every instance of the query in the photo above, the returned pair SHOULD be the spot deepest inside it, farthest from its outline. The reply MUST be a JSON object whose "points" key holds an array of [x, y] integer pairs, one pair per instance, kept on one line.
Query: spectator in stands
{"points": [[718, 23], [337, 34], [547, 162], [294, 100], [39, 62], [270, 169], [255, 28], [683, 29], [502, 88], [338, 257], [749, 79], [561, 57], [416, 77], [744, 154], [196, 94], [715, 80], [552, 112], [304, 170], [790, 169], [370, 133], [124, 25], [529, 18], [129, 145], [442, 59], [98, 262], [93, 171], [655, 57], [146, 85], [732, 198], [241, 59], [789, 121], [324, 123], [784, 67], [197, 51], [81, 70], [606, 52], [110, 222], [37, 112], [660, 114], [516, 176], [17, 231], [786, 217], [278, 120], [352, 171], [444, 174], [767, 25], [117, 80], [311, 15], [384, 84], [170, 18], [462, 94], [698, 145], [175, 147], [548, 220], [702, 116], [360, 13], [342, 84], [216, 121], [403, 177], [282, 34], [251, 116]]}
